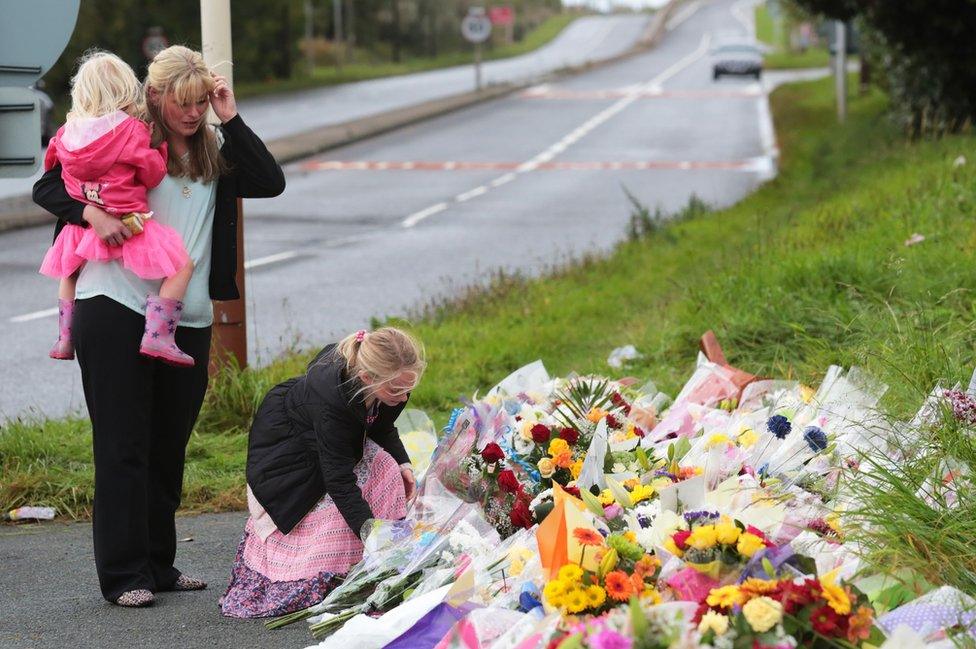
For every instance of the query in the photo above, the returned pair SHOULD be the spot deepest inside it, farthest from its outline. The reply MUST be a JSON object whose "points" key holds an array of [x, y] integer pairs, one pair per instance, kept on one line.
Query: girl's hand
{"points": [[409, 482], [222, 99], [108, 228]]}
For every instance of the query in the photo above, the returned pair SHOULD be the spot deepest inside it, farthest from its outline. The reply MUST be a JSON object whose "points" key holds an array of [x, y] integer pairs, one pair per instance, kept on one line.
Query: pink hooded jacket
{"points": [[107, 162]]}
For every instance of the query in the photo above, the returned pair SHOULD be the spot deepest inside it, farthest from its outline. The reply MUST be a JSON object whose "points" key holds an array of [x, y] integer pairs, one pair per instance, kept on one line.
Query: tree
{"points": [[926, 49]]}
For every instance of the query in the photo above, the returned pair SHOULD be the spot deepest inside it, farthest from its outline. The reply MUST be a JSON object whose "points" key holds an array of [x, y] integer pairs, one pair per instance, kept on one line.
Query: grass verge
{"points": [[810, 270]]}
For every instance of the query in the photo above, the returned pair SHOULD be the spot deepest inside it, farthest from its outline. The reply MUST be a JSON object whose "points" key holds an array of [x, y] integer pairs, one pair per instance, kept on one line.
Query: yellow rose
{"points": [[727, 533], [714, 621], [749, 544], [558, 446], [703, 537], [762, 613], [525, 430], [546, 467]]}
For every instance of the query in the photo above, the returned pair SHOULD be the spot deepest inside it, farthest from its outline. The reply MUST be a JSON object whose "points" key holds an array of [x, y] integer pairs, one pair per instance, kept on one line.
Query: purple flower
{"points": [[608, 639], [815, 438], [779, 426], [693, 517]]}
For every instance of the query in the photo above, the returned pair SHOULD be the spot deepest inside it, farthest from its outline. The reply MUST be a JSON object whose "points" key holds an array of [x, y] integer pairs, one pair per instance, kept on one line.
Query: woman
{"points": [[324, 459], [141, 410]]}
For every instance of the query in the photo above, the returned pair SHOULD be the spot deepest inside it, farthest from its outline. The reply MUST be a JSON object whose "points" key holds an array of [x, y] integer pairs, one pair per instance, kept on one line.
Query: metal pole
{"points": [[840, 42], [337, 19], [477, 66], [309, 24], [230, 318]]}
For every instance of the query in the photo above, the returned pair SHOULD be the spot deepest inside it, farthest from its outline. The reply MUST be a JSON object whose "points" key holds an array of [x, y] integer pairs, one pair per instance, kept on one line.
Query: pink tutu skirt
{"points": [[156, 253], [61, 259]]}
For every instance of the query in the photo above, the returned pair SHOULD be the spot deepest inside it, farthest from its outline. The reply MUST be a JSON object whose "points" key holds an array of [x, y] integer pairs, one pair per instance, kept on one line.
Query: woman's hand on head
{"points": [[409, 482], [222, 99], [108, 228]]}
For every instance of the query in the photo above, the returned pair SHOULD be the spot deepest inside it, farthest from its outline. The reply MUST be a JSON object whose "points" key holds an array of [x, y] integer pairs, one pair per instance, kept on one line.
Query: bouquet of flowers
{"points": [[786, 613], [640, 625], [625, 570], [715, 545]]}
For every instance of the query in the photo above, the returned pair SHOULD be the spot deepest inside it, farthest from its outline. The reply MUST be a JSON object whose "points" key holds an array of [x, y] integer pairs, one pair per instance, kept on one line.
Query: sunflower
{"points": [[587, 537], [618, 585]]}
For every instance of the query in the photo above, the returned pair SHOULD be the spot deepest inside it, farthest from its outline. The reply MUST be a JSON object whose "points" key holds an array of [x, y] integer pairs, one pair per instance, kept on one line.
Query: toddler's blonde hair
{"points": [[382, 354], [103, 84]]}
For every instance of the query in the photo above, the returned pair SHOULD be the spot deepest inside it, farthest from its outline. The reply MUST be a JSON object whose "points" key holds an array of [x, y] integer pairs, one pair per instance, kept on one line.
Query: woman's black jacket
{"points": [[306, 438], [252, 173]]}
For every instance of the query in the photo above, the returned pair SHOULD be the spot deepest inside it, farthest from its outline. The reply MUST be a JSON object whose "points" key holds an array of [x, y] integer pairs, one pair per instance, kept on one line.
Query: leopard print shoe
{"points": [[189, 583], [136, 598]]}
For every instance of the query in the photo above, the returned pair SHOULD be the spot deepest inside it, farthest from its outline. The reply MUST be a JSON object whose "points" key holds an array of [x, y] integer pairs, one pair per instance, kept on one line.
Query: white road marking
{"points": [[633, 94], [417, 217], [36, 315], [270, 259]]}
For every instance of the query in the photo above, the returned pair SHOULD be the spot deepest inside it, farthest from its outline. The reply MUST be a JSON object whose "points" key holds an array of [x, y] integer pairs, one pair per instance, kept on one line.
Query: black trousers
{"points": [[142, 412]]}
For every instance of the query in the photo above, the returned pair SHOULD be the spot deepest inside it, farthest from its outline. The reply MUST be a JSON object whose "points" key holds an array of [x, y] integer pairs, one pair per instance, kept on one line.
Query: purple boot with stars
{"points": [[159, 340]]}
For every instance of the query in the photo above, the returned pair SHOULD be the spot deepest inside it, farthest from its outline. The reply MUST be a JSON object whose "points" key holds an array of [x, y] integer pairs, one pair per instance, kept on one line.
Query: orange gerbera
{"points": [[618, 585], [587, 537]]}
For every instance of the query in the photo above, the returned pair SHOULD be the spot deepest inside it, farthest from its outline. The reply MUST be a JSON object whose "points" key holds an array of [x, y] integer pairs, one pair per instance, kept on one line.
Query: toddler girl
{"points": [[107, 161]]}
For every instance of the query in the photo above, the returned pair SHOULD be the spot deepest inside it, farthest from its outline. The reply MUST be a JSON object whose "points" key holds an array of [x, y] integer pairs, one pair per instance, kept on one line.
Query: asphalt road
{"points": [[519, 183]]}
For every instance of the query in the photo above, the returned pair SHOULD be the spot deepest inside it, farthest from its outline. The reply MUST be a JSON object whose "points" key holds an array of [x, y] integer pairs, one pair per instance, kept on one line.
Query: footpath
{"points": [[299, 124]]}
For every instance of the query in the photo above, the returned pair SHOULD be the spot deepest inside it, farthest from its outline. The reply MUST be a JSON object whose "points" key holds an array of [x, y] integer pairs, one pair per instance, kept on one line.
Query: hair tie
{"points": [[360, 335]]}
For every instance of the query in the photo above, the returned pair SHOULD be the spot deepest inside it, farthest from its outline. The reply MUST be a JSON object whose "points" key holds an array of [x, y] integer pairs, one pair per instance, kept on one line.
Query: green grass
{"points": [[782, 57], [810, 270], [373, 69]]}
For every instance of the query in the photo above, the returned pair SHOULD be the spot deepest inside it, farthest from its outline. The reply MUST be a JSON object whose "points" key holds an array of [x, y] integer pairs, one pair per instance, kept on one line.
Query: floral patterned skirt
{"points": [[290, 572]]}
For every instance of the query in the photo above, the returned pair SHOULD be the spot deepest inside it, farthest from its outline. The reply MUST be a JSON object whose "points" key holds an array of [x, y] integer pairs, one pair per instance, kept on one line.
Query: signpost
{"points": [[34, 35], [476, 28], [230, 318]]}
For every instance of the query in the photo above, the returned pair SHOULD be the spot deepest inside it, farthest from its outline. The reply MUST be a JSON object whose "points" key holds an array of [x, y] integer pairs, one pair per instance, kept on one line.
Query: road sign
{"points": [[34, 35], [476, 26], [501, 15]]}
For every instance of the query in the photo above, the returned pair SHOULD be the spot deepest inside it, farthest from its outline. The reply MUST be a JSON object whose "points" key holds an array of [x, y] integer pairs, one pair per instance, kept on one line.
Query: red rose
{"points": [[680, 538], [507, 481], [571, 435], [492, 453], [572, 491], [540, 433], [520, 515]]}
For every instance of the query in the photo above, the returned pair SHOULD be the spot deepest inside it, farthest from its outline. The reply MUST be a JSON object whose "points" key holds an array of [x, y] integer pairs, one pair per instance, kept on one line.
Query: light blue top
{"points": [[191, 214]]}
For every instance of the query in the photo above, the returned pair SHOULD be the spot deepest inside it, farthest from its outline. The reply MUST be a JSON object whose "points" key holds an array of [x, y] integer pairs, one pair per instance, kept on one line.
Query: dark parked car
{"points": [[740, 59], [48, 128]]}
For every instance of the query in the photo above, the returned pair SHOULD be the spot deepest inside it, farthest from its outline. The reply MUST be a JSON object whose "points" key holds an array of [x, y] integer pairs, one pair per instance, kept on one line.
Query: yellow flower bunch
{"points": [[641, 492], [703, 537], [569, 593], [749, 544], [727, 532]]}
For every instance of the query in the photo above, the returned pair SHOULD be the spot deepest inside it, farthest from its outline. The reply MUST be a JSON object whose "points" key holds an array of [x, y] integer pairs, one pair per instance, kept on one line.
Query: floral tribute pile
{"points": [[583, 512]]}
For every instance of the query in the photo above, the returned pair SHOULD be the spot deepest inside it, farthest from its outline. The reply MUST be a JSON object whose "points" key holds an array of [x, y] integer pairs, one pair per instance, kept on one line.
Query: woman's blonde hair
{"points": [[103, 84], [382, 354], [180, 73]]}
